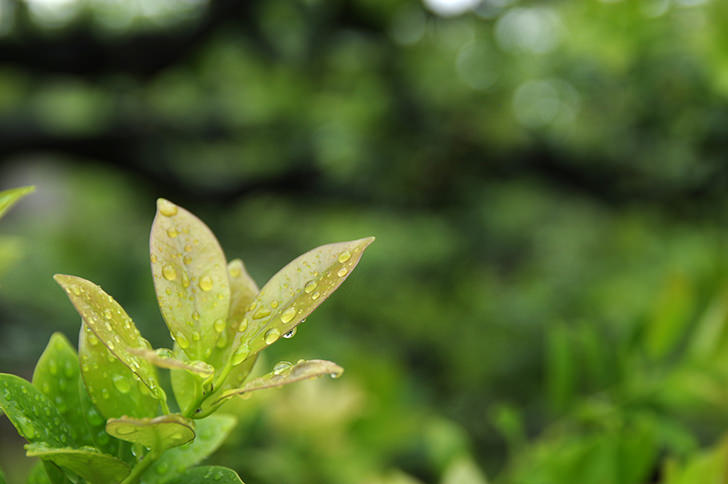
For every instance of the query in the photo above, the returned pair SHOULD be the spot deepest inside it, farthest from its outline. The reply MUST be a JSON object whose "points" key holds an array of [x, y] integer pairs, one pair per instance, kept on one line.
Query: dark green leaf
{"points": [[96, 424], [211, 432], [190, 278], [112, 326], [57, 374], [113, 388], [208, 475], [293, 293], [9, 197], [87, 462], [157, 434], [34, 416]]}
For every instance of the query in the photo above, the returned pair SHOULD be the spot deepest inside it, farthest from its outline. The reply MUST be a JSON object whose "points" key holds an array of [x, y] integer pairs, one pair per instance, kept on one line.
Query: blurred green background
{"points": [[547, 298]]}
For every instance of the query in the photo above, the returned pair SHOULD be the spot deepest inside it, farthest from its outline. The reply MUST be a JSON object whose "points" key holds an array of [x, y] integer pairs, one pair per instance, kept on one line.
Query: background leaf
{"points": [[34, 416], [112, 326], [87, 462], [8, 198], [58, 375], [293, 293], [190, 279], [211, 432], [96, 425], [208, 475], [112, 386], [157, 434]]}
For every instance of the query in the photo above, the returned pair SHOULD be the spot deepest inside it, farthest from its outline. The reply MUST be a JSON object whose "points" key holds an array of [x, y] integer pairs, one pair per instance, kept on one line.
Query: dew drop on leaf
{"points": [[219, 325], [243, 325], [288, 315], [309, 287], [291, 333], [167, 208], [240, 354], [182, 341], [344, 256], [315, 295], [172, 233], [342, 272], [261, 313], [121, 383], [281, 366], [169, 273], [205, 283], [272, 336]]}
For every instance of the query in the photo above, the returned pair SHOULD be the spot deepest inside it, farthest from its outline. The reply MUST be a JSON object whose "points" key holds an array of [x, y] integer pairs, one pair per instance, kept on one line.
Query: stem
{"points": [[140, 467], [190, 413]]}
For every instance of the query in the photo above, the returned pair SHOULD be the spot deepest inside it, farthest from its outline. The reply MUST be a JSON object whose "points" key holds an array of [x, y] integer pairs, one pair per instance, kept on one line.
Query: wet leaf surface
{"points": [[87, 462], [157, 434]]}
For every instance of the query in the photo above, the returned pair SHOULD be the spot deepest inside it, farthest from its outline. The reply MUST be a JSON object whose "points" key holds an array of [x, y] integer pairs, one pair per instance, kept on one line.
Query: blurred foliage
{"points": [[547, 298]]}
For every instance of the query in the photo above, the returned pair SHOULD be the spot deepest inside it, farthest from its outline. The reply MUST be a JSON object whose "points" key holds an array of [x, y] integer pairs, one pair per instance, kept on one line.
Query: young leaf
{"points": [[57, 375], [112, 326], [208, 475], [157, 434], [190, 279], [9, 197], [211, 432], [293, 293], [87, 462], [164, 358], [112, 386], [242, 292], [34, 416], [284, 374]]}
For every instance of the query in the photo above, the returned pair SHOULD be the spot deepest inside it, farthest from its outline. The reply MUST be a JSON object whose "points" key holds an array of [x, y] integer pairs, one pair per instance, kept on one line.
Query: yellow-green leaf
{"points": [[207, 475], [114, 389], [164, 358], [283, 374], [157, 434], [190, 278], [34, 416], [211, 432], [87, 462], [9, 197], [57, 375], [293, 293], [112, 326]]}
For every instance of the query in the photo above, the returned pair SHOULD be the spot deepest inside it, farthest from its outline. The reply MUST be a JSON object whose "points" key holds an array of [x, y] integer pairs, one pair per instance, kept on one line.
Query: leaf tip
{"points": [[166, 208]]}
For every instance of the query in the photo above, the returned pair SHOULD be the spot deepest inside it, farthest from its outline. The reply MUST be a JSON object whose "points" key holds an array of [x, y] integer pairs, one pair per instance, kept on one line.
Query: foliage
{"points": [[113, 379]]}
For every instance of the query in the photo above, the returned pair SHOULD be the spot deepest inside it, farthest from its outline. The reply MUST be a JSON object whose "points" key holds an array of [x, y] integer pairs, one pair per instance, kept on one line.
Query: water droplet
{"points": [[172, 232], [76, 290], [309, 287], [94, 418], [291, 333], [125, 429], [219, 325], [110, 345], [206, 283], [185, 280], [235, 271], [107, 325], [315, 295], [182, 341], [169, 273], [68, 369], [243, 325], [26, 428], [195, 336], [281, 366], [342, 272], [272, 336], [166, 208], [240, 354], [253, 305], [105, 394], [274, 304], [261, 313], [187, 259], [222, 340], [107, 313], [344, 256], [121, 383], [288, 315], [154, 258], [196, 316]]}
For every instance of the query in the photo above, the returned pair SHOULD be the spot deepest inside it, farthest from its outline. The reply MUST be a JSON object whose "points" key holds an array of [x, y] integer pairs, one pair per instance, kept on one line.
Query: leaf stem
{"points": [[140, 467]]}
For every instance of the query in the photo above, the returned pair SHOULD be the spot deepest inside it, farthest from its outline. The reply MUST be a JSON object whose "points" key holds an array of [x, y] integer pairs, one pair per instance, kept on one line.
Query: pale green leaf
{"points": [[208, 475], [190, 279], [87, 462], [293, 293], [164, 358], [34, 416], [284, 374], [211, 432], [9, 197], [187, 387], [157, 434], [114, 389], [57, 374], [112, 326]]}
